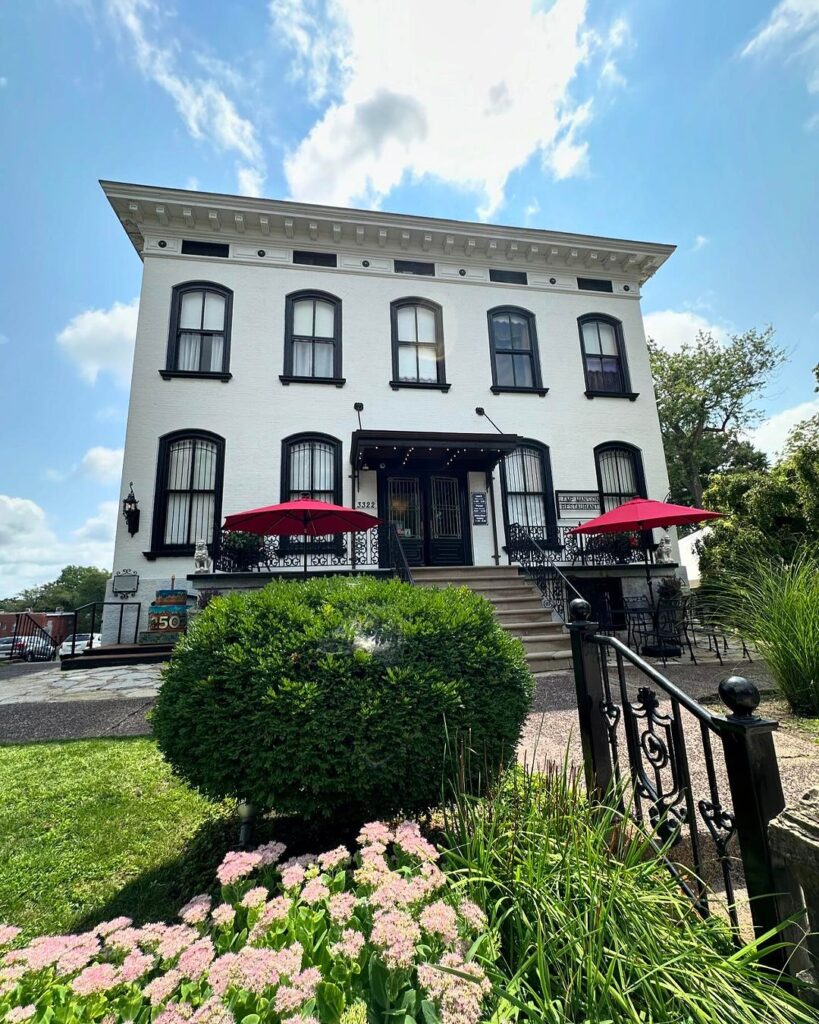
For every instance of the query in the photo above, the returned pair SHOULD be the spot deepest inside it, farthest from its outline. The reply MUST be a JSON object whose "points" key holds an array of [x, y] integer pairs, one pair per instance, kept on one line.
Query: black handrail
{"points": [[398, 557], [26, 627], [93, 606], [539, 565]]}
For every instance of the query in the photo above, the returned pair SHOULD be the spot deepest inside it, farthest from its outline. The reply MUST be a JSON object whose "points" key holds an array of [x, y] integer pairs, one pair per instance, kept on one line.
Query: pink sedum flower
{"points": [[8, 933], [334, 858], [195, 960], [270, 853], [472, 915], [349, 945], [17, 1014], [375, 832], [459, 999], [176, 1013], [213, 1011], [236, 865], [158, 990], [292, 876], [254, 969], [315, 891], [441, 920], [196, 910], [276, 910], [395, 933], [341, 906], [124, 938], [223, 914], [106, 928], [408, 837], [254, 897], [96, 978], [302, 987], [136, 965]]}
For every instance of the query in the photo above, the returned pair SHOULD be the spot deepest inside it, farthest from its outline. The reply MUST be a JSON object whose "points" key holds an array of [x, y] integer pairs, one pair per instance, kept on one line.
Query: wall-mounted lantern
{"points": [[130, 510]]}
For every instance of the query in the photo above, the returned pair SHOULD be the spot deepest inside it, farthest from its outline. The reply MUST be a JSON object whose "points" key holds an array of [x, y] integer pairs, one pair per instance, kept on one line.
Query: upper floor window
{"points": [[619, 474], [199, 341], [526, 485], [417, 345], [604, 357], [188, 496], [513, 346], [312, 338]]}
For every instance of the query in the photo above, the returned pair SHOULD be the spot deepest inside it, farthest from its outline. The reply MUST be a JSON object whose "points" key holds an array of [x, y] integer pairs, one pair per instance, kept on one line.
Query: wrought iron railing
{"points": [[248, 552], [30, 641], [600, 549], [653, 748], [398, 557], [538, 562], [88, 618]]}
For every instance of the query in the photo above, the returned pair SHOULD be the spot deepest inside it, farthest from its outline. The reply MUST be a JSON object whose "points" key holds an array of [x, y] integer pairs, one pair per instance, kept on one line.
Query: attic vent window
{"points": [[594, 284], [414, 267], [508, 276], [315, 259], [190, 248]]}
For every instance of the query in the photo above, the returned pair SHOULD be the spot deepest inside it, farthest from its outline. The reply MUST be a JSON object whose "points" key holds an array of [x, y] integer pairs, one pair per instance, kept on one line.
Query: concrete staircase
{"points": [[518, 608]]}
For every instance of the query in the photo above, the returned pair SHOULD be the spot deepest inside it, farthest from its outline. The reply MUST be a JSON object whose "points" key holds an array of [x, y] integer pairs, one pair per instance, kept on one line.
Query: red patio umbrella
{"points": [[304, 517], [645, 514]]}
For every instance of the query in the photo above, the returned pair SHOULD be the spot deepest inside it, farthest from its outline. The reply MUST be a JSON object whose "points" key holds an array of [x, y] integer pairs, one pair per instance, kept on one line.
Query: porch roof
{"points": [[472, 451]]}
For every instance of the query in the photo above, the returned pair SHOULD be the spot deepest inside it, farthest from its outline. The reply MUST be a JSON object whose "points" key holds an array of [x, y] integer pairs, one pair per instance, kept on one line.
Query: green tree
{"points": [[75, 586], [705, 399]]}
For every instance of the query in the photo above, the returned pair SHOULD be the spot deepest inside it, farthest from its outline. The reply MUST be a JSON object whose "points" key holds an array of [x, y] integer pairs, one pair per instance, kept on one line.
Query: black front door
{"points": [[429, 512]]}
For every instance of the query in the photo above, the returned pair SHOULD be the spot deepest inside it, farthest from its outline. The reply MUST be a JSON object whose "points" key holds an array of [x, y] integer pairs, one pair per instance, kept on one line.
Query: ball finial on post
{"points": [[740, 696], [579, 610]]}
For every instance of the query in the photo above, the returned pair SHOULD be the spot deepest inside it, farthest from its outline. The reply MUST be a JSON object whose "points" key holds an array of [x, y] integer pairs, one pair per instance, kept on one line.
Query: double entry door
{"points": [[429, 512]]}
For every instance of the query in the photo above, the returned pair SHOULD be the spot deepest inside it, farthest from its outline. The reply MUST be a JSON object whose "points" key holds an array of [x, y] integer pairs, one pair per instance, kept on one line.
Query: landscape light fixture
{"points": [[130, 510]]}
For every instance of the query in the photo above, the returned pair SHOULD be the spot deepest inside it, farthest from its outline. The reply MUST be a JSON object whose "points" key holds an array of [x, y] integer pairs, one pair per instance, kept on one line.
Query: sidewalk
{"points": [[50, 684]]}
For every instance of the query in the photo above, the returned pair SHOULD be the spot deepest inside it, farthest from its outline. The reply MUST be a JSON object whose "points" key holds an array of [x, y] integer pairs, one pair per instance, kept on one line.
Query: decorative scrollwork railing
{"points": [[651, 745], [248, 552], [538, 562], [600, 549], [398, 557]]}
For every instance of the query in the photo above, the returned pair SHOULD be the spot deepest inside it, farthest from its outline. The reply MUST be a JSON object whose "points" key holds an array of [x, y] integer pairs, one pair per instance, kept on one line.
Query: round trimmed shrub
{"points": [[341, 697]]}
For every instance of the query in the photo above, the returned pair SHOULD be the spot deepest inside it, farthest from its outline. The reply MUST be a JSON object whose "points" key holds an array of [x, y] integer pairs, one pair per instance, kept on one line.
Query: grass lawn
{"points": [[94, 828]]}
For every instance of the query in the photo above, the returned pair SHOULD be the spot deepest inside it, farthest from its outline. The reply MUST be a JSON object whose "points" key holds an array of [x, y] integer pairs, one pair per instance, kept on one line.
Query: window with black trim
{"points": [[312, 338], [526, 485], [417, 344], [188, 496], [199, 339], [604, 358], [594, 284], [513, 348], [195, 248], [620, 474], [414, 267], [311, 468]]}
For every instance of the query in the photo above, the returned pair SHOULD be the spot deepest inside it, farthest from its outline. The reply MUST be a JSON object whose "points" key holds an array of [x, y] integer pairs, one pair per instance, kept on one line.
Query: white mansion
{"points": [[453, 378]]}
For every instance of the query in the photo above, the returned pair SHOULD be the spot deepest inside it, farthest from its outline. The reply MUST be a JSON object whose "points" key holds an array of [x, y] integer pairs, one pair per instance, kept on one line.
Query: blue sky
{"points": [[696, 124]]}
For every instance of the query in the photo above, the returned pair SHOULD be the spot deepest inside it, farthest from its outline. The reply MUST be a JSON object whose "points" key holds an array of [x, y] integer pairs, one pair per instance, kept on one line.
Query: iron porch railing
{"points": [[654, 748], [248, 552], [538, 562]]}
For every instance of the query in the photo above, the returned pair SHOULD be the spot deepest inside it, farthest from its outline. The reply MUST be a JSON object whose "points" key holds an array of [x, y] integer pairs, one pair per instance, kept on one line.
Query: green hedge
{"points": [[339, 697]]}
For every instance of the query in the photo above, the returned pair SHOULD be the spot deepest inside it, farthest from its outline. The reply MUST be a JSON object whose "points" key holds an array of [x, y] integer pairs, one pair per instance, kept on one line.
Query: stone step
{"points": [[544, 661], [526, 602], [501, 596], [538, 617], [557, 641], [481, 584]]}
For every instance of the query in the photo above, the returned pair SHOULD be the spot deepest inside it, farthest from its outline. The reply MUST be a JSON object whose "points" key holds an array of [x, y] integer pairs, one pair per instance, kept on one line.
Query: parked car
{"points": [[81, 641], [8, 646], [38, 648]]}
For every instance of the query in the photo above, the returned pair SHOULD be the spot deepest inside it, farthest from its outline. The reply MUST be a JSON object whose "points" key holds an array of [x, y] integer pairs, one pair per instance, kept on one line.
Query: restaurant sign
{"points": [[577, 504]]}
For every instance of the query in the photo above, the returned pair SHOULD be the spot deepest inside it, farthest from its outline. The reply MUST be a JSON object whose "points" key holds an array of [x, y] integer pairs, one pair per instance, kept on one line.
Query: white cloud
{"points": [[192, 184], [474, 89], [532, 210], [673, 328], [4, 339], [31, 553], [202, 103], [772, 433], [700, 241], [3, 82], [792, 29], [104, 465], [102, 341]]}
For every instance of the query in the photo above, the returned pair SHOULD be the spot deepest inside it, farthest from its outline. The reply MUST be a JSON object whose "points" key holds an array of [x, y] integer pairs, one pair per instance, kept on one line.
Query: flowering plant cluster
{"points": [[332, 938]]}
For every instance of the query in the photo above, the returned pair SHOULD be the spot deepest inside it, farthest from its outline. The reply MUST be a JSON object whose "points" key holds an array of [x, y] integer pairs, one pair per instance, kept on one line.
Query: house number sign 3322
{"points": [[365, 504]]}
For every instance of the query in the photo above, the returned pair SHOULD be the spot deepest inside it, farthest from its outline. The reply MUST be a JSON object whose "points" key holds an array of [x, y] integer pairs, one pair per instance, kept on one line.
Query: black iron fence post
{"points": [[588, 681], [756, 791]]}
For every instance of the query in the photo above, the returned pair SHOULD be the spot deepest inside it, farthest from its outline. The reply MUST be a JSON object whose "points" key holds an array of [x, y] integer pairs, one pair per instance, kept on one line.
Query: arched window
{"points": [[311, 467], [526, 485], [604, 356], [188, 496], [619, 473], [513, 347], [199, 339], [312, 338], [417, 345]]}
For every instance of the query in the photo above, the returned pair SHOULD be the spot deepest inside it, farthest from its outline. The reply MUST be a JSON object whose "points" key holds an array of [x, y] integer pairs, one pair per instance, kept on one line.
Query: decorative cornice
{"points": [[145, 209]]}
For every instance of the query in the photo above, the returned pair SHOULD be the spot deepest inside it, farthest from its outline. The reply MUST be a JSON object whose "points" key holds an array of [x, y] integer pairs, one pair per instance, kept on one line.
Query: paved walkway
{"points": [[51, 684]]}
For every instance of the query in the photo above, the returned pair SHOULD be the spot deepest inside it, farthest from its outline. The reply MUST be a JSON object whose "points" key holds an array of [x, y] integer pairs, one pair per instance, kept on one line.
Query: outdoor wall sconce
{"points": [[130, 511]]}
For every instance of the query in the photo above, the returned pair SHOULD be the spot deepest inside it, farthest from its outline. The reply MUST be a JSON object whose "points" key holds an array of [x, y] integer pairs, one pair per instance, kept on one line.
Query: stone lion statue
{"points": [[201, 558]]}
